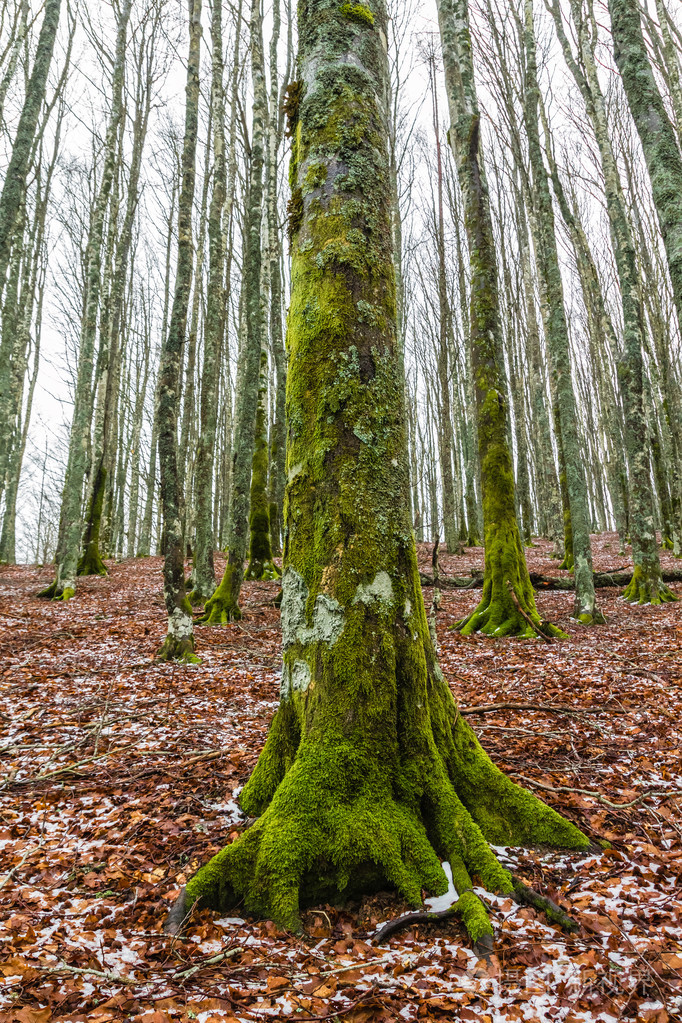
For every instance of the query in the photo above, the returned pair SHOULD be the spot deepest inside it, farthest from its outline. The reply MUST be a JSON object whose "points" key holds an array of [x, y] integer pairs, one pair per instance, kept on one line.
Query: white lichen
{"points": [[380, 589]]}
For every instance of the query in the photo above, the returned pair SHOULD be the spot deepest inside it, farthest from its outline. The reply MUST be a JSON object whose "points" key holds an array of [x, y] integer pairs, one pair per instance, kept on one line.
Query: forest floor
{"points": [[118, 777]]}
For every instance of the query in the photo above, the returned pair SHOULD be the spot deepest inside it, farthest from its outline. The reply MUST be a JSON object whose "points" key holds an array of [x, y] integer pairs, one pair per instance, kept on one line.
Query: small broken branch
{"points": [[552, 708], [597, 795], [211, 961]]}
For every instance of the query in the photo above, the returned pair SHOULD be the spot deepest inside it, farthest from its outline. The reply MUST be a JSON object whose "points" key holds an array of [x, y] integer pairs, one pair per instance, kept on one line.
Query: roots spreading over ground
{"points": [[336, 820]]}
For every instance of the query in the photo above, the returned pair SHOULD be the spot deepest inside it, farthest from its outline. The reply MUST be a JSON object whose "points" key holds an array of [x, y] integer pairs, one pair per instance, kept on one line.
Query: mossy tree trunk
{"points": [[369, 776], [657, 134], [507, 606], [445, 438], [469, 438], [671, 64], [602, 339], [13, 196], [223, 606], [647, 585], [145, 542], [579, 548], [179, 642], [274, 140]]}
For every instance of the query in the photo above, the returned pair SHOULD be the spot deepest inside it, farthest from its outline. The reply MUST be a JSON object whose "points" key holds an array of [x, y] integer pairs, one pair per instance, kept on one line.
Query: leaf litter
{"points": [[119, 777]]}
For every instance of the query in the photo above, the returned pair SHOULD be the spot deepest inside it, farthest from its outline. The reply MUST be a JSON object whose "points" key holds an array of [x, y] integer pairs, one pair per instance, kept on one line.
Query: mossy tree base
{"points": [[90, 562], [56, 591], [174, 649], [339, 818], [223, 607], [262, 571], [647, 588], [198, 598], [568, 563], [507, 611]]}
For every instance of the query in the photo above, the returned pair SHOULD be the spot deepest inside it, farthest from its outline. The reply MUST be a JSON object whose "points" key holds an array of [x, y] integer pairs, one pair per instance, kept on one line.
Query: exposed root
{"points": [[522, 895], [223, 606], [49, 591], [219, 611], [506, 617], [198, 598], [647, 589], [262, 571]]}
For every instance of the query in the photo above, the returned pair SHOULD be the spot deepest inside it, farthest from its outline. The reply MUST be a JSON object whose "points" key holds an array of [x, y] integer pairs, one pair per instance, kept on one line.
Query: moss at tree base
{"points": [[647, 588], [223, 607], [176, 649], [90, 562], [337, 821]]}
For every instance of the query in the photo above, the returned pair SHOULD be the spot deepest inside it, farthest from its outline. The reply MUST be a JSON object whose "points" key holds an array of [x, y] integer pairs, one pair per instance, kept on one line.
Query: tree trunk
{"points": [[369, 776], [214, 329], [647, 585], [224, 604], [657, 134], [585, 609], [179, 642], [64, 585], [508, 603], [260, 565], [445, 439]]}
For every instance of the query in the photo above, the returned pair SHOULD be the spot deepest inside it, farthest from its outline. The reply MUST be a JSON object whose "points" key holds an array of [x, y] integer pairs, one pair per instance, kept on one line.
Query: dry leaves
{"points": [[140, 767]]}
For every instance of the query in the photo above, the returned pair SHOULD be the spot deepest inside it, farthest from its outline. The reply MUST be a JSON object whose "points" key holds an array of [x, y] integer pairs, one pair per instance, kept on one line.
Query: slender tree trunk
{"points": [[179, 642], [260, 565], [64, 585], [508, 602], [369, 776], [224, 604], [445, 440], [278, 433], [647, 585], [657, 134], [585, 609], [214, 329], [13, 202]]}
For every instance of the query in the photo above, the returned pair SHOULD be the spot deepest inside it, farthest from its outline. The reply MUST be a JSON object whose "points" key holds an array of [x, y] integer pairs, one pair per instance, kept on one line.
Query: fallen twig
{"points": [[110, 975], [211, 961], [21, 862], [595, 795], [553, 708]]}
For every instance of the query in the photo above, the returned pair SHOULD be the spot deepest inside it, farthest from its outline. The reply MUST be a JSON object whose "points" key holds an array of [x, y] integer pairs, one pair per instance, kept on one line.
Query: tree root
{"points": [[56, 592], [502, 616], [262, 572], [522, 895], [175, 648], [90, 563], [219, 612], [648, 589]]}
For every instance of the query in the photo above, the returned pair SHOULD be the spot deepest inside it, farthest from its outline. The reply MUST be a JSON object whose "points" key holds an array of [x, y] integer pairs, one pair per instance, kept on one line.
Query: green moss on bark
{"points": [[223, 607], [368, 777], [647, 588]]}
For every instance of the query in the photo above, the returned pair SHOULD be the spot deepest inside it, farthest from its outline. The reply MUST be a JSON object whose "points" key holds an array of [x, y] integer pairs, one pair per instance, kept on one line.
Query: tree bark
{"points": [[585, 609], [214, 329], [179, 642], [647, 585], [369, 776], [656, 132], [64, 586], [498, 613], [223, 606]]}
